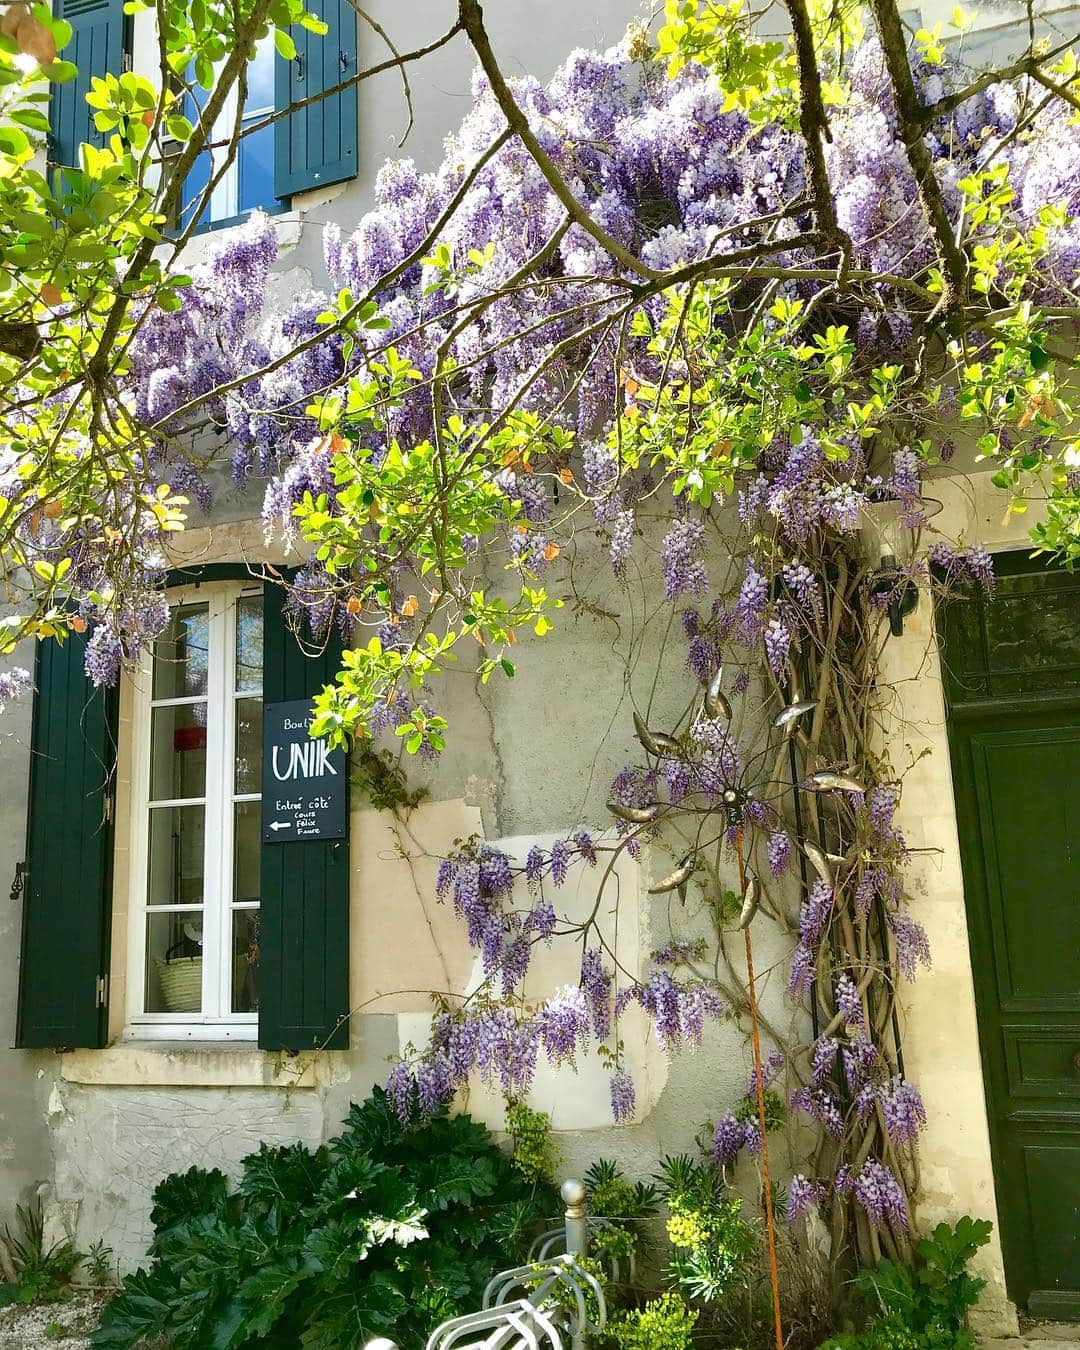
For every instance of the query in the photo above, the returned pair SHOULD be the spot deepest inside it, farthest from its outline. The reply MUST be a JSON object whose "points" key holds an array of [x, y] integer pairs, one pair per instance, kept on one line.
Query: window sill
{"points": [[203, 1065]]}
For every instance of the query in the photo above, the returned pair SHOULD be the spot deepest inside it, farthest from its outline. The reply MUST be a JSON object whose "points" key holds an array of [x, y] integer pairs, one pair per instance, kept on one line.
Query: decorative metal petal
{"points": [[749, 904], [787, 717], [820, 863], [828, 780], [636, 815], [657, 743], [716, 704], [675, 879]]}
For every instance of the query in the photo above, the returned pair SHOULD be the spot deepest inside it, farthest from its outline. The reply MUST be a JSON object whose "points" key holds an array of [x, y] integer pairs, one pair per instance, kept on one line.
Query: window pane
{"points": [[175, 865], [174, 962], [247, 851], [180, 653], [245, 982], [260, 78], [255, 163], [248, 745], [178, 752], [249, 644]]}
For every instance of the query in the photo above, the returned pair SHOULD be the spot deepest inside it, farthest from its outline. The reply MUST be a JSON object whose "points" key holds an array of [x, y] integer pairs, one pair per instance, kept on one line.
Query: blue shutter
{"points": [[67, 888], [317, 145], [304, 917], [97, 48]]}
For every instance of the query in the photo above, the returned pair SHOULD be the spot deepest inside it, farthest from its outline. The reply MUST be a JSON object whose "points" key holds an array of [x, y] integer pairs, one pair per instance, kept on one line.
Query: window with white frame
{"points": [[196, 779], [248, 181]]}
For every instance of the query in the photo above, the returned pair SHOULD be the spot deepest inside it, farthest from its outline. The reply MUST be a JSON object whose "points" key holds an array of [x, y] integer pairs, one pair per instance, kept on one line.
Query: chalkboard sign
{"points": [[305, 784]]}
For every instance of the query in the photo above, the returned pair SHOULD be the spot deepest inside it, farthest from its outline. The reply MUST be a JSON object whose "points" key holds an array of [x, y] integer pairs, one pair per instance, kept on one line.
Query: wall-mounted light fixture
{"points": [[888, 543]]}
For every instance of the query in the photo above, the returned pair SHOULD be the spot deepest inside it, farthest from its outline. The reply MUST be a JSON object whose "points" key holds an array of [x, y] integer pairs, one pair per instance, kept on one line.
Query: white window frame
{"points": [[225, 198], [216, 1021]]}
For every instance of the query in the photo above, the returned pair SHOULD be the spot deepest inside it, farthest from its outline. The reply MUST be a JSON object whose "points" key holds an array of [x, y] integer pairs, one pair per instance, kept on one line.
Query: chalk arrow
{"points": [[281, 824]]}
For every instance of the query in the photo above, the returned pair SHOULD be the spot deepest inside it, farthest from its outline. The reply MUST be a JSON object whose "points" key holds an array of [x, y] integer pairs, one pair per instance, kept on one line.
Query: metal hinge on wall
{"points": [[125, 62], [107, 808], [19, 884], [101, 991]]}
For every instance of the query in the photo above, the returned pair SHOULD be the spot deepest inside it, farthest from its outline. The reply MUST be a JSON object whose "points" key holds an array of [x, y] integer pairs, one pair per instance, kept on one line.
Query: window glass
{"points": [[198, 911], [247, 848], [178, 752], [180, 654], [255, 166], [248, 745], [176, 856], [245, 970], [249, 644], [174, 963]]}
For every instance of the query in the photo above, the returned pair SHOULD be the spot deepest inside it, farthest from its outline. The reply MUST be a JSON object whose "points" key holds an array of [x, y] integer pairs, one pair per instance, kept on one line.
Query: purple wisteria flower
{"points": [[772, 1066], [912, 944], [779, 853], [680, 560], [401, 1089], [728, 1138], [623, 1096], [848, 1002], [803, 1196], [750, 607], [563, 1024], [596, 984], [880, 1195], [822, 1059], [903, 1109], [560, 860]]}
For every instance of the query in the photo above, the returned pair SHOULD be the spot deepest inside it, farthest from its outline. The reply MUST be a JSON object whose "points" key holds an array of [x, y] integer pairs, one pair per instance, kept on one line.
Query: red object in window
{"points": [[189, 738]]}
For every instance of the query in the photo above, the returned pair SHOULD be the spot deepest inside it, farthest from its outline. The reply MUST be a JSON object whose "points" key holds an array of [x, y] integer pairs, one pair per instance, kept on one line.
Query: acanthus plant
{"points": [[439, 429]]}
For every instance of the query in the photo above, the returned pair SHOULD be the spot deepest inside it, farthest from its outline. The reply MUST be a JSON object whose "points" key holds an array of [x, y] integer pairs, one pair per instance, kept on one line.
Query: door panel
{"points": [[1014, 727]]}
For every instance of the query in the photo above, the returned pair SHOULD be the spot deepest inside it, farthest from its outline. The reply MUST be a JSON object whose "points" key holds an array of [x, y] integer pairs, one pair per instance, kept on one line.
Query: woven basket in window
{"points": [[180, 978]]}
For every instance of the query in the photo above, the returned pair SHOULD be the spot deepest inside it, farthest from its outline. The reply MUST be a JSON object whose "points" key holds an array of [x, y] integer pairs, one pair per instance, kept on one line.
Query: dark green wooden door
{"points": [[1012, 677]]}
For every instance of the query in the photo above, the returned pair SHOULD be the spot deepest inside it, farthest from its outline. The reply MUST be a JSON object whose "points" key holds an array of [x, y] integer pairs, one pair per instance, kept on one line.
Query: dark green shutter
{"points": [[67, 890], [304, 937], [97, 48], [316, 145]]}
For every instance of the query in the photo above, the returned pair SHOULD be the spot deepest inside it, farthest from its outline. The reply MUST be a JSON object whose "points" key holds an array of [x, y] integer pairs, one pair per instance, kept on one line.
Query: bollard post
{"points": [[576, 1218]]}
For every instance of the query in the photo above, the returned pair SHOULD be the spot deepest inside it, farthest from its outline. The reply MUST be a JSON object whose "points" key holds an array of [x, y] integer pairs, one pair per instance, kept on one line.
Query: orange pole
{"points": [[770, 1220]]}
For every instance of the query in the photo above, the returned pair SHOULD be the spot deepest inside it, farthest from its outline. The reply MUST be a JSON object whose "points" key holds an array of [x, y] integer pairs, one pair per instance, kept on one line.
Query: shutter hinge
{"points": [[101, 991], [18, 885], [125, 62], [107, 808]]}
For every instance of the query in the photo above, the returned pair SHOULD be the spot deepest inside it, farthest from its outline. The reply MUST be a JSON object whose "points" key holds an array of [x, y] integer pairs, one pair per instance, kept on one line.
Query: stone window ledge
{"points": [[216, 1064]]}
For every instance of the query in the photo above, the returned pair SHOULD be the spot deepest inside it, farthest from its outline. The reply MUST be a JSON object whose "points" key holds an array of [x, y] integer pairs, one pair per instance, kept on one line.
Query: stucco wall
{"points": [[24, 1143], [531, 757]]}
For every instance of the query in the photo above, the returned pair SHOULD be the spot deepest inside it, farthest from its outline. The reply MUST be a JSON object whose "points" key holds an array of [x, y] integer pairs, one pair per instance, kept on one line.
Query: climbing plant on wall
{"points": [[722, 303]]}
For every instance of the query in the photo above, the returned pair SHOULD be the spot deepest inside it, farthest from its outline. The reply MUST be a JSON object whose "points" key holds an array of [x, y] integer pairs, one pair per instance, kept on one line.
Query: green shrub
{"points": [[42, 1274], [664, 1323], [923, 1306], [387, 1230], [713, 1246]]}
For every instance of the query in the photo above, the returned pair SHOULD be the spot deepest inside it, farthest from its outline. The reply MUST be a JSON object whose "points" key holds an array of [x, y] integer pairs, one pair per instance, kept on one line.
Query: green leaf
{"points": [[179, 128], [285, 45], [508, 667]]}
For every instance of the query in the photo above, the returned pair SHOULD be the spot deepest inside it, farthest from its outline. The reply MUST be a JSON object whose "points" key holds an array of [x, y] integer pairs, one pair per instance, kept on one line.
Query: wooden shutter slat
{"points": [[97, 49], [67, 896], [304, 921], [316, 146]]}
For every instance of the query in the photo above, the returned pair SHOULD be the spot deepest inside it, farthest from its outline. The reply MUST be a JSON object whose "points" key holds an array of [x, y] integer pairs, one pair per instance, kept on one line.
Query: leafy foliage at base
{"points": [[923, 1306], [387, 1230], [42, 1273]]}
